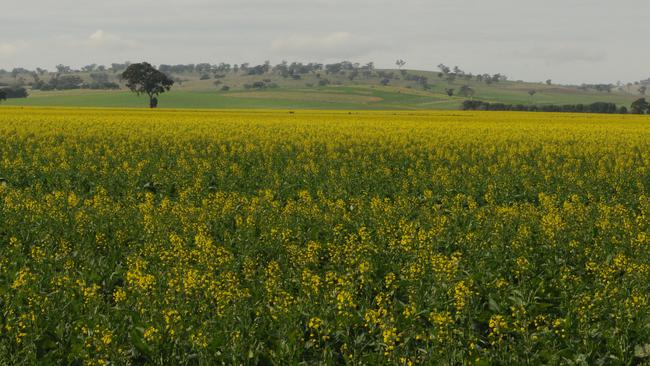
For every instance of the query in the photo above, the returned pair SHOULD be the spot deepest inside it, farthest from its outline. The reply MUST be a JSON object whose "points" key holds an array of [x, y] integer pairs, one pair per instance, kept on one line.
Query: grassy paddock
{"points": [[358, 95]]}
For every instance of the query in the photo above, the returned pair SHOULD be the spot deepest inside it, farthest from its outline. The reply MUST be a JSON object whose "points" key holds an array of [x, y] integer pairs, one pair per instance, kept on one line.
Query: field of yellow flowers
{"points": [[272, 237]]}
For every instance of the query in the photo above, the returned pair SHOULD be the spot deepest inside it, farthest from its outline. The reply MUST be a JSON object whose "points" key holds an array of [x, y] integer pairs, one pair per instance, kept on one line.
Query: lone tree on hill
{"points": [[450, 92], [142, 78]]}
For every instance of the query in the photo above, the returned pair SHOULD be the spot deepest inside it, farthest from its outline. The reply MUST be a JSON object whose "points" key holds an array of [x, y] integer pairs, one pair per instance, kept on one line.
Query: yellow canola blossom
{"points": [[323, 237]]}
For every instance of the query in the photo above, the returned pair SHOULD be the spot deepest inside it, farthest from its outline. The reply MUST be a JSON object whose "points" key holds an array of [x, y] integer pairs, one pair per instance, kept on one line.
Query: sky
{"points": [[568, 41]]}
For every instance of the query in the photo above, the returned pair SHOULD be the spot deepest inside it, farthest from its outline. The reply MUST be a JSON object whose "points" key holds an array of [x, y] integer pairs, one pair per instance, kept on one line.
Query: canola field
{"points": [[277, 238]]}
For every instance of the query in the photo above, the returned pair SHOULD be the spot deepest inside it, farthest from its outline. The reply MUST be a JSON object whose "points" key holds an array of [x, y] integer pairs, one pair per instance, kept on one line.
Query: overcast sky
{"points": [[570, 41]]}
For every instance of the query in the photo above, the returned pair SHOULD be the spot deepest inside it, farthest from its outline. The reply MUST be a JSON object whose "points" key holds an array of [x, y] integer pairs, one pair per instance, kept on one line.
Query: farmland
{"points": [[365, 93], [275, 237]]}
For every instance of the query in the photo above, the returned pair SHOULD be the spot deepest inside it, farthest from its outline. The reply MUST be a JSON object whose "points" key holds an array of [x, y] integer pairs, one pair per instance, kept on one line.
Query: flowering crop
{"points": [[267, 237]]}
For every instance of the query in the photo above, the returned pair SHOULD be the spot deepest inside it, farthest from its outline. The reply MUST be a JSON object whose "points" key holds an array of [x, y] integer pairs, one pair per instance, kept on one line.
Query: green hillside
{"points": [[339, 91]]}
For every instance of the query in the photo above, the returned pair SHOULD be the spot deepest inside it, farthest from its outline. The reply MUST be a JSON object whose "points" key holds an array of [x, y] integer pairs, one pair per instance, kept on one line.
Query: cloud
{"points": [[336, 45], [10, 49], [564, 54], [101, 39]]}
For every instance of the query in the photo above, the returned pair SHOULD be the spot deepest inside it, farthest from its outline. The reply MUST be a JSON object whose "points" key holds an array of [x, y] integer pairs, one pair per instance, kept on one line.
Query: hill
{"points": [[340, 89]]}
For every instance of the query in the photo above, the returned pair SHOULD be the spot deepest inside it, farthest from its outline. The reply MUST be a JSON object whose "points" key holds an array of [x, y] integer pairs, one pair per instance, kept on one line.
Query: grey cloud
{"points": [[564, 53], [333, 45], [527, 39], [100, 40], [11, 49]]}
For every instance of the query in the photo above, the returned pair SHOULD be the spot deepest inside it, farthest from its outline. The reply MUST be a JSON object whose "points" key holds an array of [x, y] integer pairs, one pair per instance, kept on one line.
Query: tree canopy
{"points": [[639, 106], [142, 78]]}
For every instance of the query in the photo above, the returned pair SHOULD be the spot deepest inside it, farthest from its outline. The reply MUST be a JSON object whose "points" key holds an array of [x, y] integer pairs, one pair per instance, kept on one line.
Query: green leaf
{"points": [[492, 304]]}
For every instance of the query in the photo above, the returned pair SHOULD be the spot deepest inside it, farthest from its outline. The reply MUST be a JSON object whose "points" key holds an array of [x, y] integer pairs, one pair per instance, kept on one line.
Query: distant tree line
{"points": [[293, 70], [598, 107], [452, 74], [95, 76], [67, 82]]}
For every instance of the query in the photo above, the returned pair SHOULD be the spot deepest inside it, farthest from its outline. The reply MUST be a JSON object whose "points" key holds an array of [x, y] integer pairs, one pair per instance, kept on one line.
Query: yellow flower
{"points": [[150, 334], [119, 295]]}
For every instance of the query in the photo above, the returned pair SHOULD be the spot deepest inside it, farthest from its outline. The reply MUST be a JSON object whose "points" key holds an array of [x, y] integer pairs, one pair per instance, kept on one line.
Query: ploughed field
{"points": [[273, 237]]}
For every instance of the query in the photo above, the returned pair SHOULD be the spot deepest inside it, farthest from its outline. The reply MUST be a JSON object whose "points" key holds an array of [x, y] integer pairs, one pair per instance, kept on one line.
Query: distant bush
{"points": [[598, 107], [107, 85], [323, 82], [260, 85], [42, 85], [15, 92], [205, 77], [225, 88]]}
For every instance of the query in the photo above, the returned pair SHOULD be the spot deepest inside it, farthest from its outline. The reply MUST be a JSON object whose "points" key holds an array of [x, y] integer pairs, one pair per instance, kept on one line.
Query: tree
{"points": [[449, 92], [466, 91], [639, 106], [367, 69], [532, 92], [3, 95], [643, 89], [203, 68], [89, 68], [549, 82], [400, 63], [63, 69], [99, 77], [142, 78]]}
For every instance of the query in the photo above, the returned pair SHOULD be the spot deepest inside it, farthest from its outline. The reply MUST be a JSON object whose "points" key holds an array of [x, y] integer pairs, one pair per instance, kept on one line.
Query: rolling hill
{"points": [[403, 91]]}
